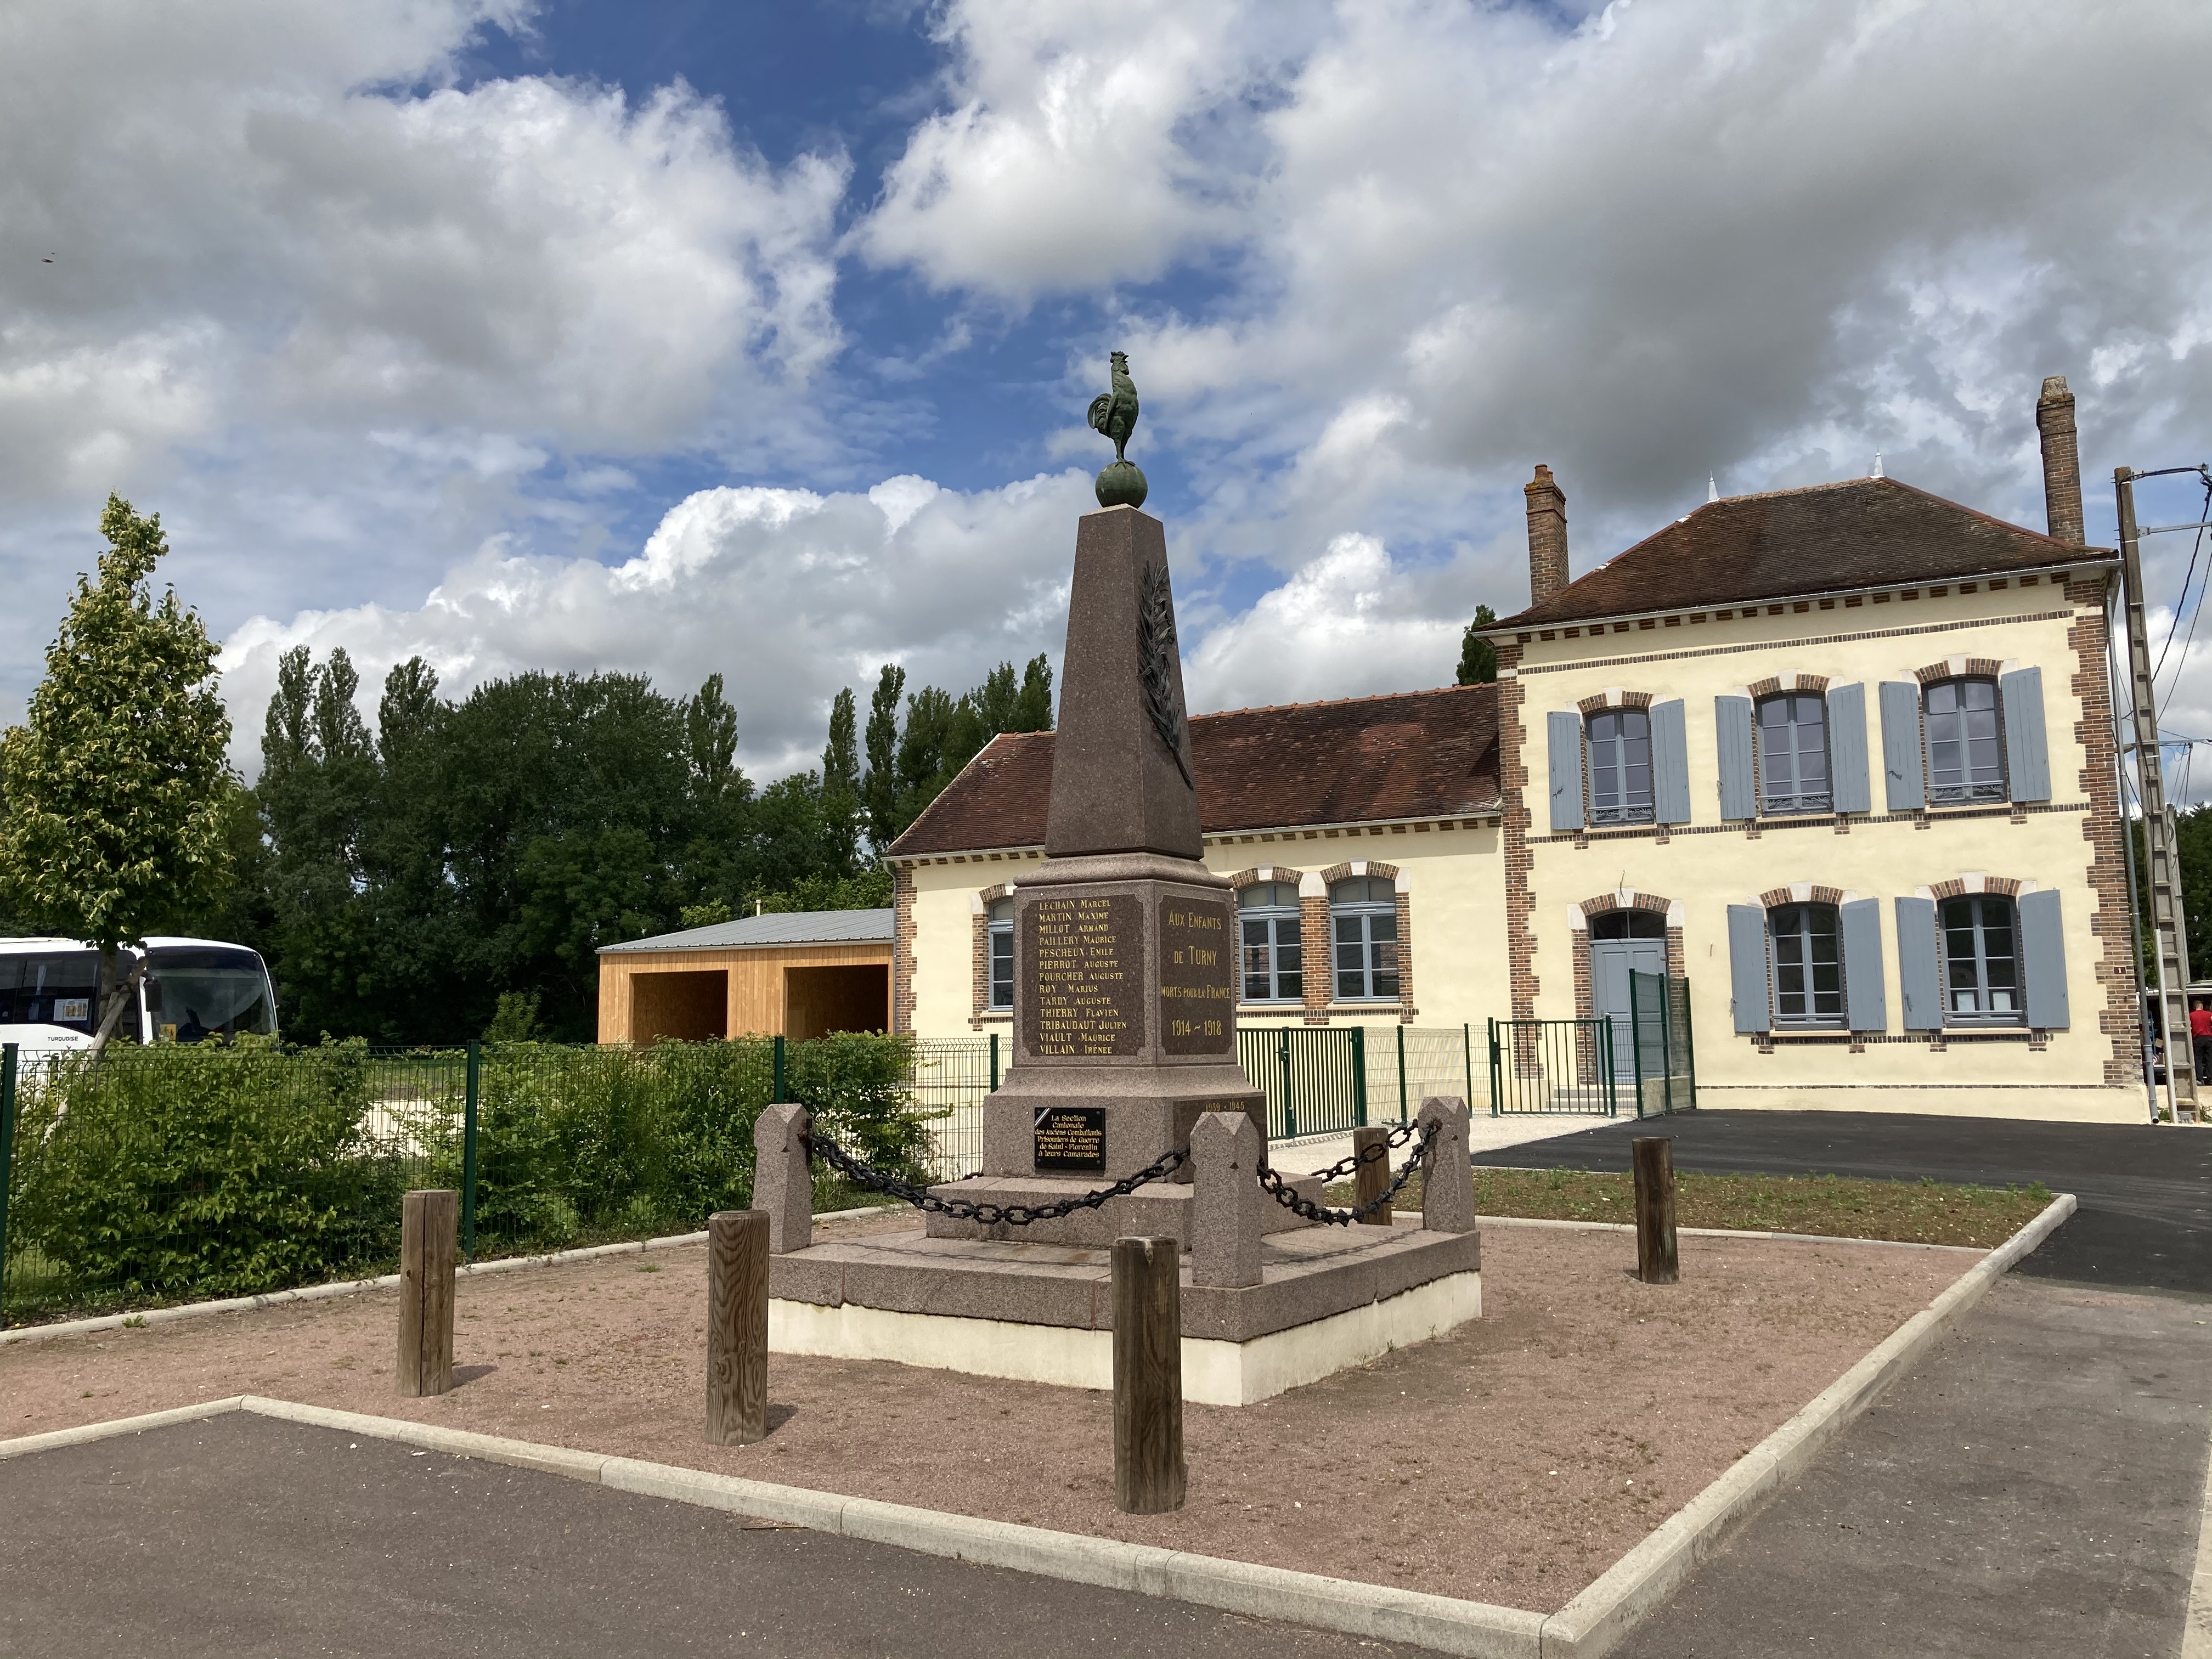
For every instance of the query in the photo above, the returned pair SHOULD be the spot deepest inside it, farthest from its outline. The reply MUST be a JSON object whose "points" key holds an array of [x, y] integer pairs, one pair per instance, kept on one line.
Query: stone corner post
{"points": [[783, 1184], [1225, 1153], [1447, 1183]]}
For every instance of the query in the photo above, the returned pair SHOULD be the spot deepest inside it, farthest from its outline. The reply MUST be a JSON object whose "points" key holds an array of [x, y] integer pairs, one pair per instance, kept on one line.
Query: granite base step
{"points": [[1328, 1297], [1159, 1209]]}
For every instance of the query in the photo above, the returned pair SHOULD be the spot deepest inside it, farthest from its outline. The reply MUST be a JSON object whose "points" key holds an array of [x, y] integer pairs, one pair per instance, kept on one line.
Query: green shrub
{"points": [[207, 1169], [213, 1170]]}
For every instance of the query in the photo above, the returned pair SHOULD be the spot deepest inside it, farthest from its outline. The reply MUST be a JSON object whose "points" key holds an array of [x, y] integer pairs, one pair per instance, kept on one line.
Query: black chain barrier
{"points": [[1021, 1215], [1289, 1198], [967, 1209]]}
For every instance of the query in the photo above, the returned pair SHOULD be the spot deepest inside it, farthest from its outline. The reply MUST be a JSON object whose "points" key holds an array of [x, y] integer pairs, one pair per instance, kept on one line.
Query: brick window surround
{"points": [[980, 1011], [1318, 942]]}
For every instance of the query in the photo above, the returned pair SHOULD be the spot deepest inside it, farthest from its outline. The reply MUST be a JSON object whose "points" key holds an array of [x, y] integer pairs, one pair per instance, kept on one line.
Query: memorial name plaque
{"points": [[1071, 1141], [1087, 957], [1197, 986]]}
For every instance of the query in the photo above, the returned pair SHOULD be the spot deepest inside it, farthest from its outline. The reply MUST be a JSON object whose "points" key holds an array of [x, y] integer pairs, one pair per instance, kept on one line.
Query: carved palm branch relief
{"points": [[1156, 656]]}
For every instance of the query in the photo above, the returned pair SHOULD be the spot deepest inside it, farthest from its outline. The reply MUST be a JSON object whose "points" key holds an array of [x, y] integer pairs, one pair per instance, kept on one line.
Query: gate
{"points": [[1659, 1024], [1552, 1065], [1315, 1077]]}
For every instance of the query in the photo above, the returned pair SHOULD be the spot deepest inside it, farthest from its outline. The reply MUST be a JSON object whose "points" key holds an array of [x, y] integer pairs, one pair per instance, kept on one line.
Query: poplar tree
{"points": [[116, 784]]}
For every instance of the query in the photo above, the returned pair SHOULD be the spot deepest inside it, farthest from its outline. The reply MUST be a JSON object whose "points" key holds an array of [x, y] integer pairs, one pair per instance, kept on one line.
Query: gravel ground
{"points": [[1512, 1462]]}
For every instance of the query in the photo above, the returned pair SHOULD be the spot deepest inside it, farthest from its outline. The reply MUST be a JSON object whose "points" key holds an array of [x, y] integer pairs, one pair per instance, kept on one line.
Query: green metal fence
{"points": [[1315, 1077], [1552, 1066], [1659, 1026]]}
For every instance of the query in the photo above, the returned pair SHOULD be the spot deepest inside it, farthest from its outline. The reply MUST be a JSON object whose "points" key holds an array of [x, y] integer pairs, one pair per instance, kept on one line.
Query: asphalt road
{"points": [[245, 1537], [2030, 1490], [2145, 1193]]}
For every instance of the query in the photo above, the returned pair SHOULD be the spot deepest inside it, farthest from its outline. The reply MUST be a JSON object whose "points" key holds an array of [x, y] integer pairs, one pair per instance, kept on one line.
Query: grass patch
{"points": [[1913, 1212]]}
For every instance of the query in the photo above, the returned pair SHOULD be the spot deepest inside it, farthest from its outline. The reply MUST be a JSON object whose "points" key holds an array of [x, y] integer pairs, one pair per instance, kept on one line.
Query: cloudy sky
{"points": [[685, 335]]}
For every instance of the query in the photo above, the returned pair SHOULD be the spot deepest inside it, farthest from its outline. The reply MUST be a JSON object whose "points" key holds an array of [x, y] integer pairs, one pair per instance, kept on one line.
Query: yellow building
{"points": [[1362, 836], [1841, 757]]}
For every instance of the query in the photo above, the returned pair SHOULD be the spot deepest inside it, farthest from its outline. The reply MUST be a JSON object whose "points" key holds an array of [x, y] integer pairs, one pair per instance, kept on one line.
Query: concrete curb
{"points": [[1595, 1620], [505, 1264], [1590, 1625], [2196, 1628], [87, 1432]]}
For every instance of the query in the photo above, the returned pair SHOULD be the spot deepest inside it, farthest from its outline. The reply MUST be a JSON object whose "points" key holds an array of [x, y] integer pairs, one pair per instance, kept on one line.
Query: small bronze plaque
{"points": [[1198, 987], [1085, 956], [1071, 1141]]}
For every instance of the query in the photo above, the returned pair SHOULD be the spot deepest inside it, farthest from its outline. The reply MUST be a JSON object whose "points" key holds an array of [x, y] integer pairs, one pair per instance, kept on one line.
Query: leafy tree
{"points": [[879, 788], [1478, 657], [841, 785], [117, 790], [1033, 709]]}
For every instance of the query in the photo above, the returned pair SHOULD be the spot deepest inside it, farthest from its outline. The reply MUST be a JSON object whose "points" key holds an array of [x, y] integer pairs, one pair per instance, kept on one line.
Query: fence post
{"points": [[737, 1326], [994, 1063], [775, 1088], [7, 1163], [1148, 1474], [1635, 1044], [1371, 1181], [469, 1150], [1612, 1076], [1289, 1103], [1689, 1049], [1401, 1071], [1466, 1055], [1656, 1260], [1359, 1074], [426, 1291], [1497, 1082]]}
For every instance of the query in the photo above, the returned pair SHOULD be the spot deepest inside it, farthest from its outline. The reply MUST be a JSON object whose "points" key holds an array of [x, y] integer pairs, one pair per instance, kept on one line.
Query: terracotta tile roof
{"points": [[1866, 532], [1410, 755]]}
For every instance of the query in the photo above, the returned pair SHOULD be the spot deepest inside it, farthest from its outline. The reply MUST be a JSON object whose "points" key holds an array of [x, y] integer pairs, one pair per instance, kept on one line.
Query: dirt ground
{"points": [[1512, 1462]]}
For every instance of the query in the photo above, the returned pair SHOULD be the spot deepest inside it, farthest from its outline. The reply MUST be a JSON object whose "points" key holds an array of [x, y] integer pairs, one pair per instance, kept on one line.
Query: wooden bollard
{"points": [[1148, 1468], [737, 1326], [1656, 1262], [1371, 1181], [428, 1223]]}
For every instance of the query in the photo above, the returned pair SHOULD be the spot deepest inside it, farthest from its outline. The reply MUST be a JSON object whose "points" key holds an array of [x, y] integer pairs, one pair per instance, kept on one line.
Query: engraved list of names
{"points": [[1087, 998]]}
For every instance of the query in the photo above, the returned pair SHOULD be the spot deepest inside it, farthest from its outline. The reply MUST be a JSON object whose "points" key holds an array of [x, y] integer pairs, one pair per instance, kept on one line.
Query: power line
{"points": [[2195, 549]]}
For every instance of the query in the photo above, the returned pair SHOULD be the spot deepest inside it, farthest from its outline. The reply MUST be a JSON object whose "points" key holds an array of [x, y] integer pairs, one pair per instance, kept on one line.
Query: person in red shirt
{"points": [[2200, 1038]]}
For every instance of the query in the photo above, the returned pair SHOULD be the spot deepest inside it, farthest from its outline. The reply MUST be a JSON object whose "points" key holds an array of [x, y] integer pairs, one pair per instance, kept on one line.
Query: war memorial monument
{"points": [[1124, 1110]]}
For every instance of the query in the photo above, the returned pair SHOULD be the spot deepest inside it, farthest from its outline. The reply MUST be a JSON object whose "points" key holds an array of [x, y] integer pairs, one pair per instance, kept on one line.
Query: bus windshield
{"points": [[198, 991], [53, 987]]}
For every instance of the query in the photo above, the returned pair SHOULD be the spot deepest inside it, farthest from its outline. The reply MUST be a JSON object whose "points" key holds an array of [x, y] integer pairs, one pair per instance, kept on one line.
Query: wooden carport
{"points": [[800, 974]]}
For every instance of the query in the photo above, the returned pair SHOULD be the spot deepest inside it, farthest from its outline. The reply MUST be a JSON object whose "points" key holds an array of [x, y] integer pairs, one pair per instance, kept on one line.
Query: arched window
{"points": [[999, 931], [1363, 917], [1981, 961], [1966, 745], [1793, 754], [1808, 965], [1272, 961], [1621, 765]]}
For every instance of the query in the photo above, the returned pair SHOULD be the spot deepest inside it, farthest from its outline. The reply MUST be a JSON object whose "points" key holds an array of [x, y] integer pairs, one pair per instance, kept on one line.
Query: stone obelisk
{"points": [[1125, 944]]}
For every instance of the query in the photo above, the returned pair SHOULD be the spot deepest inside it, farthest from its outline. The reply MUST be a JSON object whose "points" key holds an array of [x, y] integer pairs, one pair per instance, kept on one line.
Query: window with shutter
{"points": [[1966, 748], [1793, 754], [1272, 959], [1621, 767], [1808, 966]]}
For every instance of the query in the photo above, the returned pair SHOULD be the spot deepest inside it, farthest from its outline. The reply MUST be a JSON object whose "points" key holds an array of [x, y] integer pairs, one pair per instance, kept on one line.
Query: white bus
{"points": [[193, 989]]}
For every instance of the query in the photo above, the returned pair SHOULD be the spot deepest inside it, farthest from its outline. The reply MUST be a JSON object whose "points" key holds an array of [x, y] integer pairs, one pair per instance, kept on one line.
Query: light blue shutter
{"points": [[1670, 762], [1847, 749], [1748, 968], [1917, 976], [1565, 732], [2027, 757], [1732, 729], [1903, 773], [2043, 959], [1866, 1007]]}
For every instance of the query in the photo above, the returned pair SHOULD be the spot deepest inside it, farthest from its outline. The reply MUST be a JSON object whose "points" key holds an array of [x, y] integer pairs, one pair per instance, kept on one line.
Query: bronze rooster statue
{"points": [[1115, 414]]}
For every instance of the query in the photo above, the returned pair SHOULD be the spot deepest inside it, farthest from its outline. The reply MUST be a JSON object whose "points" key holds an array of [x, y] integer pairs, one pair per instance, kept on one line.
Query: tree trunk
{"points": [[115, 998]]}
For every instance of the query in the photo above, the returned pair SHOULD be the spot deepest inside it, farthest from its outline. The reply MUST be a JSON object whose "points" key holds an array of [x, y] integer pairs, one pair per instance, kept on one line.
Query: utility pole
{"points": [[2169, 934]]}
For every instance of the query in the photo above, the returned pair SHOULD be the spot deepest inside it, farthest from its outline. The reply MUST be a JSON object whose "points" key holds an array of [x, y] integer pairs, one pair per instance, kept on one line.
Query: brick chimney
{"points": [[2062, 462], [1547, 535]]}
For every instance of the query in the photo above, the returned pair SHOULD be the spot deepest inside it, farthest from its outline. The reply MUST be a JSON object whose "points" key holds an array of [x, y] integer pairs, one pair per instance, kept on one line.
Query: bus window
{"points": [[197, 991], [54, 987]]}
